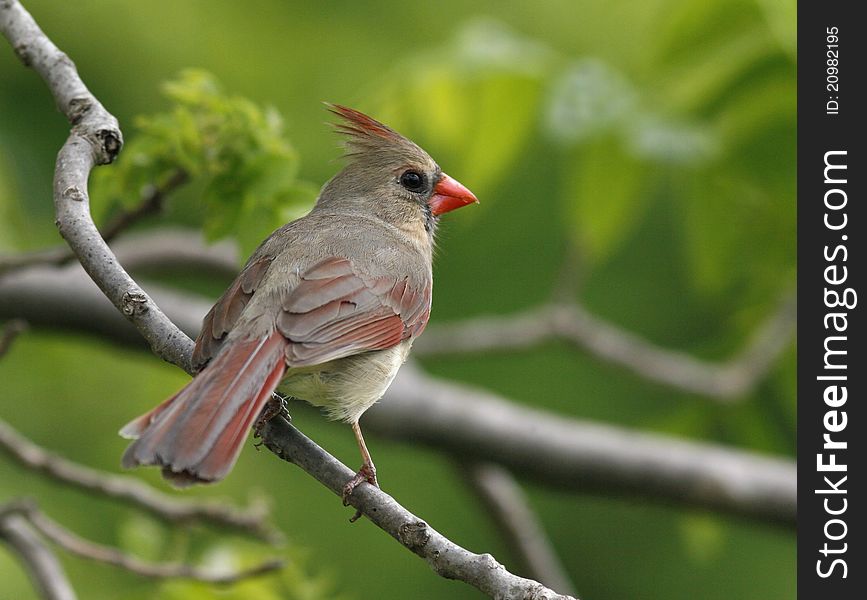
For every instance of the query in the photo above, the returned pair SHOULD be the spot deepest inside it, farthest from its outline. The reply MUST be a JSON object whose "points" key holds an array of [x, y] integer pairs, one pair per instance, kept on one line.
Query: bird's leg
{"points": [[276, 406], [367, 472]]}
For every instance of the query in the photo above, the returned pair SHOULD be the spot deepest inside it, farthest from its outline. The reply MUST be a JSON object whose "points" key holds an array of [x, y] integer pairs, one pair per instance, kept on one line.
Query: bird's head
{"points": [[390, 176]]}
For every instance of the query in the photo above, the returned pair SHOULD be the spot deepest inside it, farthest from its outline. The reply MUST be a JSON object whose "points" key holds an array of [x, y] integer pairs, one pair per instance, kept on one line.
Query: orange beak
{"points": [[448, 195]]}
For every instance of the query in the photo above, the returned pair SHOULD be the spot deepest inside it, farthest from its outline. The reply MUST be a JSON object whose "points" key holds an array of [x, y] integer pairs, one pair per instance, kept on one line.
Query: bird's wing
{"points": [[224, 314], [334, 312]]}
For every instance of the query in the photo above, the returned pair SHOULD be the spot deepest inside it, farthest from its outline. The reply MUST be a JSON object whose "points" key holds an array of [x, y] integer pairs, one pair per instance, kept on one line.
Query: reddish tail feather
{"points": [[197, 434]]}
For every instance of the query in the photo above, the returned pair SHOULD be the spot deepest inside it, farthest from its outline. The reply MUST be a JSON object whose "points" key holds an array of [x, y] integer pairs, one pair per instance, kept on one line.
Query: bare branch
{"points": [[151, 202], [83, 548], [67, 298], [44, 568], [445, 557], [49, 256], [582, 455], [508, 508], [569, 453], [250, 521], [575, 325], [171, 249], [95, 139]]}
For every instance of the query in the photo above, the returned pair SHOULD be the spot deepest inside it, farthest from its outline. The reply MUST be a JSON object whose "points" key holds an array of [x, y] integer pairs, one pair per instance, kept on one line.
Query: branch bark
{"points": [[96, 139], [582, 455]]}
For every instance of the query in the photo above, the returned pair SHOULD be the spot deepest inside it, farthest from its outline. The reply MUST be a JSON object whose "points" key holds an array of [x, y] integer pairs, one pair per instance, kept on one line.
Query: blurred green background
{"points": [[649, 144]]}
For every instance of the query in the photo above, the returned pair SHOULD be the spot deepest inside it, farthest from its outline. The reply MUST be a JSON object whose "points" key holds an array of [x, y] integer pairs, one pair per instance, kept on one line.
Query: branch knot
{"points": [[414, 535], [134, 303], [74, 193], [110, 143], [78, 107]]}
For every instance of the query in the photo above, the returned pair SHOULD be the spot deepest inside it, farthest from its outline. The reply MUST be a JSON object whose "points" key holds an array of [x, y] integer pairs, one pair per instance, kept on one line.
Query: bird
{"points": [[325, 310]]}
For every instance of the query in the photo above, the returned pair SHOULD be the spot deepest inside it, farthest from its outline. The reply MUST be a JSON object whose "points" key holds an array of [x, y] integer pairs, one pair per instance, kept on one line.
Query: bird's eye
{"points": [[412, 180]]}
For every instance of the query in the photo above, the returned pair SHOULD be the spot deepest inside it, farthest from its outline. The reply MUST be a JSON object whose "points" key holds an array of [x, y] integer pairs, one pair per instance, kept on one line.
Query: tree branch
{"points": [[445, 557], [573, 324], [96, 139], [581, 455], [250, 521], [42, 565], [558, 451], [83, 548], [507, 506]]}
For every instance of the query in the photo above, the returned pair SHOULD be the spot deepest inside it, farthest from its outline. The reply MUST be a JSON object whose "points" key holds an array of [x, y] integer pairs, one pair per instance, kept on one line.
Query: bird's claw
{"points": [[367, 473], [276, 406]]}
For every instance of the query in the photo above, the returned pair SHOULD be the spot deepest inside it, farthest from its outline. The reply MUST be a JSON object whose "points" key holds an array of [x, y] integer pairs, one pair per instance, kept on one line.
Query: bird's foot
{"points": [[367, 473], [276, 406]]}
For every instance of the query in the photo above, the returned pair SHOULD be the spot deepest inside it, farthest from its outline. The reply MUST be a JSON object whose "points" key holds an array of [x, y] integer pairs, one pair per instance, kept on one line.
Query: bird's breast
{"points": [[347, 387]]}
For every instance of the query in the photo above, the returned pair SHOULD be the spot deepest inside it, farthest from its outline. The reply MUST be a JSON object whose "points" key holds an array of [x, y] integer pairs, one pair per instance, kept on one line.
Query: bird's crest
{"points": [[365, 134]]}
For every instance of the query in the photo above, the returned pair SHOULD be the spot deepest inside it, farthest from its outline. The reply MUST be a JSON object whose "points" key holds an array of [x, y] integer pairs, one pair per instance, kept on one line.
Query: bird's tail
{"points": [[197, 434]]}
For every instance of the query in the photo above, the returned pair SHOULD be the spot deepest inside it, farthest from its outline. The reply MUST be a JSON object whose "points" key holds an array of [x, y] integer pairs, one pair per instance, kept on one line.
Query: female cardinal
{"points": [[326, 310]]}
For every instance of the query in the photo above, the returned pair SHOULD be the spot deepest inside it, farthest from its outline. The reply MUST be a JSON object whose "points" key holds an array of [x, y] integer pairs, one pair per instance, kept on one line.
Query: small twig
{"points": [[44, 568], [74, 544], [508, 508], [151, 202], [11, 331], [251, 521]]}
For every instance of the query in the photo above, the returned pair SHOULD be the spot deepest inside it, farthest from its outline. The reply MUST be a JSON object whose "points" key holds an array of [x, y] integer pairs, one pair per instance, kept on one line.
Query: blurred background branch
{"points": [[574, 324], [74, 544], [252, 520], [44, 568], [509, 509]]}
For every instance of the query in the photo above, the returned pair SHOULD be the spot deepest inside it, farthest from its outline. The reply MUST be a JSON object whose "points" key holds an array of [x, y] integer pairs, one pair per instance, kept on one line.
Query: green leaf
{"points": [[234, 150]]}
